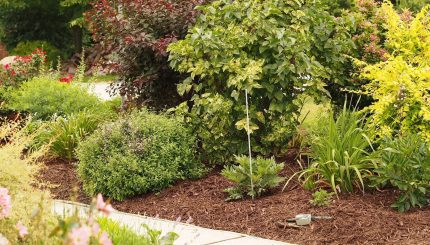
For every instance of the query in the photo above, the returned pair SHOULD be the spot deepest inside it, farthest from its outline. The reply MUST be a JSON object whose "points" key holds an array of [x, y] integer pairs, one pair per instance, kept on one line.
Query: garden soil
{"points": [[357, 218]]}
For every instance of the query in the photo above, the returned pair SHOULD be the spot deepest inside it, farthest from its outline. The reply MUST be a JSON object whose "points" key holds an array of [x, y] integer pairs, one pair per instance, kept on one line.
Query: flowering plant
{"points": [[67, 79], [23, 68]]}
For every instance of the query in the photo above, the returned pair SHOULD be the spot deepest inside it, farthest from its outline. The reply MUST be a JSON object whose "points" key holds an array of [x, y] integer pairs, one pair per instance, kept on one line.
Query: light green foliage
{"points": [[405, 164], [140, 153], [274, 49], [30, 205], [27, 47], [45, 96], [321, 198], [400, 86], [121, 234], [264, 176], [339, 150]]}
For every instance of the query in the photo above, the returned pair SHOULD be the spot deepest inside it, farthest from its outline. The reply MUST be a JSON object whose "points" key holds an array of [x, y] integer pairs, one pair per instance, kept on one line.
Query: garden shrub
{"points": [[45, 96], [140, 153], [399, 85], [29, 205], [27, 47], [339, 153], [277, 50], [137, 34], [405, 164], [22, 69], [366, 26], [264, 176]]}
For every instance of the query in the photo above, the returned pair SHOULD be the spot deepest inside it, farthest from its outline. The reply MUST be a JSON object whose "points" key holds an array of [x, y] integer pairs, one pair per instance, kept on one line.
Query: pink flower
{"points": [[5, 205], [80, 235], [22, 230], [103, 207], [7, 66], [104, 239]]}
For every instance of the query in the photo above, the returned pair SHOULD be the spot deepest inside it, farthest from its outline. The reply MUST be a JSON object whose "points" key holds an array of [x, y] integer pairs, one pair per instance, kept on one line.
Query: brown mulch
{"points": [[357, 218]]}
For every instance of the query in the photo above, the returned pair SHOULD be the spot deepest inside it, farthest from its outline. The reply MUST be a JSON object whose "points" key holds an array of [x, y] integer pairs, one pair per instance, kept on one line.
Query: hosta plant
{"points": [[264, 176], [405, 164]]}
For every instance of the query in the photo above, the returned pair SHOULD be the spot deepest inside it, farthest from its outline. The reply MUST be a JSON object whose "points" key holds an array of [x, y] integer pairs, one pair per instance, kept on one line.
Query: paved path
{"points": [[188, 234], [99, 89]]}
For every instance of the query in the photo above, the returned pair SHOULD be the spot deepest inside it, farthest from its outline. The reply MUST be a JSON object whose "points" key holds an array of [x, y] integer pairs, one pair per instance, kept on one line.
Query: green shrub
{"points": [[45, 96], [121, 234], [271, 48], [399, 85], [321, 198], [405, 164], [339, 153], [27, 47], [264, 176], [139, 153]]}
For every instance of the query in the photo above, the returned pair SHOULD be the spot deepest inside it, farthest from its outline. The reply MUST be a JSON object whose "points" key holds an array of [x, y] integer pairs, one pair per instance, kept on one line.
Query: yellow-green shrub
{"points": [[29, 204], [400, 86]]}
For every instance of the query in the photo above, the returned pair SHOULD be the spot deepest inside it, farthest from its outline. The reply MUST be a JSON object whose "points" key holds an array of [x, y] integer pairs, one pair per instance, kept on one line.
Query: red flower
{"points": [[7, 66], [67, 79]]}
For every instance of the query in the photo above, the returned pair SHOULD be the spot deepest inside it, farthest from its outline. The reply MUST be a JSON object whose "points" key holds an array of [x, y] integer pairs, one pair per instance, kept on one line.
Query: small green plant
{"points": [[121, 234], [321, 198], [45, 96], [136, 154], [340, 154], [264, 177], [405, 164]]}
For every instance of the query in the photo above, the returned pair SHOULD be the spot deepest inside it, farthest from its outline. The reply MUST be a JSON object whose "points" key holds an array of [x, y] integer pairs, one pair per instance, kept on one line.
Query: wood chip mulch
{"points": [[357, 218]]}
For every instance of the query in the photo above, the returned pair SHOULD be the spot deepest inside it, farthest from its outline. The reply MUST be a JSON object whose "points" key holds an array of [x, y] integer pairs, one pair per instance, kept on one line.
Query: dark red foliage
{"points": [[138, 33]]}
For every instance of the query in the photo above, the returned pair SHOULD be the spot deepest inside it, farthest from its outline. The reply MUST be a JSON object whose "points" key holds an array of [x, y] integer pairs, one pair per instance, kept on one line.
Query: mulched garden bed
{"points": [[357, 218]]}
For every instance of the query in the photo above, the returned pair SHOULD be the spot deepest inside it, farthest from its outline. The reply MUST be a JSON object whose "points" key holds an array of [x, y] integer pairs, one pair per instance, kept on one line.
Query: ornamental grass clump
{"points": [[340, 153], [139, 153]]}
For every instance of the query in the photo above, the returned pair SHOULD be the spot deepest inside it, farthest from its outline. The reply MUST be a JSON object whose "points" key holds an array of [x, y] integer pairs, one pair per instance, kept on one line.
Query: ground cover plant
{"points": [[321, 198], [228, 52], [140, 153]]}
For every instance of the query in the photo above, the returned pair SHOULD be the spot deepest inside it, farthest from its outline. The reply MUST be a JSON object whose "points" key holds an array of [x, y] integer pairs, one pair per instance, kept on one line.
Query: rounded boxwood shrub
{"points": [[136, 154]]}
